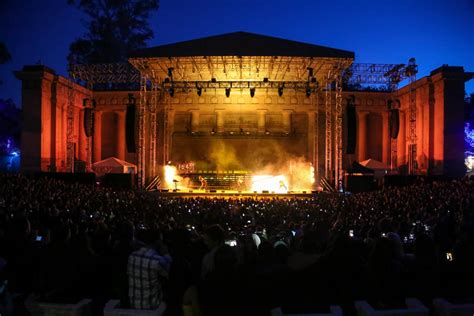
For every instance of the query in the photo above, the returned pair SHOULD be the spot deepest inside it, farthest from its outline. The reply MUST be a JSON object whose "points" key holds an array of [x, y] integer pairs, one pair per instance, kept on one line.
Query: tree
{"points": [[4, 55], [114, 29]]}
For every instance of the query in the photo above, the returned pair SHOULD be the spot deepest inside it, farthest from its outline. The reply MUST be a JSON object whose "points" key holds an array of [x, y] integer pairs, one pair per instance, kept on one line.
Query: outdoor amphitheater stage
{"points": [[235, 194]]}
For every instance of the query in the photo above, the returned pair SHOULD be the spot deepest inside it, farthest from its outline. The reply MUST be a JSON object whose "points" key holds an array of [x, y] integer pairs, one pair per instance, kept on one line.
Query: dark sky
{"points": [[435, 32]]}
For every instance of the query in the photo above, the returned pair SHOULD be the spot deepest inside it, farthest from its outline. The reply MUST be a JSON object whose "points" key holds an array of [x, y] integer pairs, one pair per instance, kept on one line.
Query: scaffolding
{"points": [[411, 71], [152, 78], [328, 128], [70, 128], [387, 77]]}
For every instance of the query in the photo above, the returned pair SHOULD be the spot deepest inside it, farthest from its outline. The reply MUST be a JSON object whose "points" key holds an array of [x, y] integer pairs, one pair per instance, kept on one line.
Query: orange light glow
{"points": [[277, 184]]}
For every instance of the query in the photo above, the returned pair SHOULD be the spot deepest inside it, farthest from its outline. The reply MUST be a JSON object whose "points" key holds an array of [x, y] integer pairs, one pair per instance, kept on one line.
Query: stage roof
{"points": [[241, 44]]}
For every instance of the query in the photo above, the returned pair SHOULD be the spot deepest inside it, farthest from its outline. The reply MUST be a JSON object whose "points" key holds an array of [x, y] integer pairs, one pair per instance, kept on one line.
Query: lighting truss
{"points": [[377, 74], [186, 86], [105, 77]]}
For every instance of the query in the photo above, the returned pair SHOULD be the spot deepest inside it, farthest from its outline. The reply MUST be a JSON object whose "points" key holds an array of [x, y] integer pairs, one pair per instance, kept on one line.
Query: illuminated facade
{"points": [[244, 102]]}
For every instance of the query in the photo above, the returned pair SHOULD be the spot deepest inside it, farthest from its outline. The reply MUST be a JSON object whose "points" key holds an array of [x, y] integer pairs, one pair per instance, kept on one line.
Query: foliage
{"points": [[10, 128], [114, 29], [4, 54]]}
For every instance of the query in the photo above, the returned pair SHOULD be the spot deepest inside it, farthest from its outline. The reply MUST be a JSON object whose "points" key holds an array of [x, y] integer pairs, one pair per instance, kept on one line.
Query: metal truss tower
{"points": [[328, 127], [142, 116], [338, 171], [411, 72], [70, 128]]}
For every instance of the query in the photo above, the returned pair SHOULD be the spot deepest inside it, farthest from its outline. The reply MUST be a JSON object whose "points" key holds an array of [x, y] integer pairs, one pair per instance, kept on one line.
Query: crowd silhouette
{"points": [[61, 242]]}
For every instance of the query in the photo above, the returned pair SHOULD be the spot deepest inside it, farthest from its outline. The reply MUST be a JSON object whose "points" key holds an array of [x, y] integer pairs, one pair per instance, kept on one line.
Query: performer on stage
{"points": [[282, 185], [203, 183], [240, 184]]}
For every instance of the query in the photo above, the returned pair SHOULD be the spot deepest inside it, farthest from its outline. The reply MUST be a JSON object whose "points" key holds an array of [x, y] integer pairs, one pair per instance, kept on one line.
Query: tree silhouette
{"points": [[114, 29], [4, 55]]}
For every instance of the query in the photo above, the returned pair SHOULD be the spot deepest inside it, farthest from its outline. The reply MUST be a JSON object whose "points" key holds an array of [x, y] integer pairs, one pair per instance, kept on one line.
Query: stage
{"points": [[235, 194]]}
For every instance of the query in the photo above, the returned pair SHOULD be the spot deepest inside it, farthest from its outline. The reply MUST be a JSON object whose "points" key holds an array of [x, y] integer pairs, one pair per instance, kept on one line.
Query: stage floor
{"points": [[233, 194]]}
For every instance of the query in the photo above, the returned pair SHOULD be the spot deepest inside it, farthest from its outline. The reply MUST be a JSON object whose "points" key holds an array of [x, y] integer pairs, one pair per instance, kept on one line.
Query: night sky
{"points": [[435, 32]]}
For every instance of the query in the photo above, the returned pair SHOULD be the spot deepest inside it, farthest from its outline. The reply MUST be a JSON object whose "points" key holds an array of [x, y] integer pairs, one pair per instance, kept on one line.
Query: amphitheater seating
{"points": [[444, 308], [82, 308], [414, 308], [112, 308], [335, 310]]}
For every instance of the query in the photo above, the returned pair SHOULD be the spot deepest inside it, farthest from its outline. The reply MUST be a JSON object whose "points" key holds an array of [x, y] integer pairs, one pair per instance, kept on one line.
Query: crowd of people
{"points": [[62, 242]]}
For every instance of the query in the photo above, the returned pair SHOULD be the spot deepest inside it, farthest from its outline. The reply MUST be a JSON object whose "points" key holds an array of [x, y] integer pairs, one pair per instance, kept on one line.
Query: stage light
{"points": [[280, 91], [227, 92], [252, 92], [198, 89], [131, 98]]}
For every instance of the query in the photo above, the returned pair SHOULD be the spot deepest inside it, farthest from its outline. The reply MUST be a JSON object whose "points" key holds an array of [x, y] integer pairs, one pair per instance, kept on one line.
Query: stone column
{"points": [[97, 136], [121, 135], [385, 139], [220, 120], [287, 121], [82, 137], [362, 134], [261, 121], [194, 121], [401, 140]]}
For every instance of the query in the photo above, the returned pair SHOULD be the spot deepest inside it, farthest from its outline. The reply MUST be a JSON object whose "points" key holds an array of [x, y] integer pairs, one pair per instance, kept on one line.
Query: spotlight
{"points": [[252, 92], [171, 91], [213, 131], [227, 92], [280, 90], [131, 98], [267, 132], [198, 89]]}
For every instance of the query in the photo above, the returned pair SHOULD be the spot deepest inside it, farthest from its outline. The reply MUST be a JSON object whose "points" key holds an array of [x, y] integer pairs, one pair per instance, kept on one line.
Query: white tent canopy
{"points": [[374, 164], [113, 165]]}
